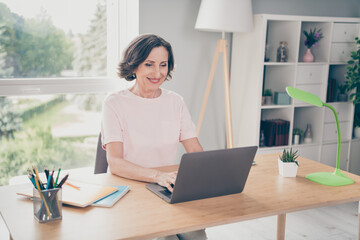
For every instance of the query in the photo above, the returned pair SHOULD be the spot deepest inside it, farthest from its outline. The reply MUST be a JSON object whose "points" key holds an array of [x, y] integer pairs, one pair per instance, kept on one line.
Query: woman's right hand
{"points": [[166, 179]]}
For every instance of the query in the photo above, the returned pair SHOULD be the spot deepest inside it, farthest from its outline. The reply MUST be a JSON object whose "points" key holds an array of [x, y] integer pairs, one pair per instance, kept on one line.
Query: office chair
{"points": [[101, 163]]}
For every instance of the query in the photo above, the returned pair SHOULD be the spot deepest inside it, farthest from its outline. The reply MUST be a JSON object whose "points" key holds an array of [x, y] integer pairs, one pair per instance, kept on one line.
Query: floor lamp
{"points": [[336, 178], [223, 16]]}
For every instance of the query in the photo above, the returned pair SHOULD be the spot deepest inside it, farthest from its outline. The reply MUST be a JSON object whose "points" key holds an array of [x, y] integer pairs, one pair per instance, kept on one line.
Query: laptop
{"points": [[209, 174]]}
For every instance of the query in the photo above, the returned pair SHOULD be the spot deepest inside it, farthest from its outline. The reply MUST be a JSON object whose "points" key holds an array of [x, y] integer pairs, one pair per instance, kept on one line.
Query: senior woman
{"points": [[142, 126]]}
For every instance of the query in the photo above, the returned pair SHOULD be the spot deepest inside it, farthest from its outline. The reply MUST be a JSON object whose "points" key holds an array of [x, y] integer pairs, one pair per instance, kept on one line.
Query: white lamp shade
{"points": [[225, 16]]}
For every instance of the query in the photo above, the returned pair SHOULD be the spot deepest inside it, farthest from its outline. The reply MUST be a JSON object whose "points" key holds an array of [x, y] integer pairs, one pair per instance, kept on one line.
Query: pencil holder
{"points": [[47, 204]]}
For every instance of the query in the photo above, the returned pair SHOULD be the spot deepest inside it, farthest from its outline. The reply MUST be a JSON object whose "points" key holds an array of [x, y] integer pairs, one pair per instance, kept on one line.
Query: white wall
{"points": [[174, 20], [194, 50]]}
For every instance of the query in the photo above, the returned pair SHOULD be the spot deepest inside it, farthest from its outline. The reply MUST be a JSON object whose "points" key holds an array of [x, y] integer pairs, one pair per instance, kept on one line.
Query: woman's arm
{"points": [[192, 145], [123, 168]]}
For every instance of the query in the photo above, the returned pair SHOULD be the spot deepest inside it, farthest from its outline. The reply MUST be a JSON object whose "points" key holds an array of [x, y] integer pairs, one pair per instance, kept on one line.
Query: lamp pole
{"points": [[220, 48], [339, 137]]}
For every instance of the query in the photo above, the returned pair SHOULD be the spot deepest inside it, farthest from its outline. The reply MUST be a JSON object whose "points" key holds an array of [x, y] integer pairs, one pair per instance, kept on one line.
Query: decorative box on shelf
{"points": [[281, 98]]}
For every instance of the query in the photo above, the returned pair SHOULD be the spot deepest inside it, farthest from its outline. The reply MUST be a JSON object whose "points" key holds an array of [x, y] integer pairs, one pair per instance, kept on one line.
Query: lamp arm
{"points": [[339, 136]]}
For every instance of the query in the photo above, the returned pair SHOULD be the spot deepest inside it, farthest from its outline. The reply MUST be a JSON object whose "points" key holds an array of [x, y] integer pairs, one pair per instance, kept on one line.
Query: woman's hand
{"points": [[166, 179]]}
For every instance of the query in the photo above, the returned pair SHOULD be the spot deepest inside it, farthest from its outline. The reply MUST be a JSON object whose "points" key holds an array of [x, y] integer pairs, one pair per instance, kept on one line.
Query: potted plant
{"points": [[268, 96], [353, 82], [342, 96], [357, 124], [297, 132], [288, 165], [312, 39]]}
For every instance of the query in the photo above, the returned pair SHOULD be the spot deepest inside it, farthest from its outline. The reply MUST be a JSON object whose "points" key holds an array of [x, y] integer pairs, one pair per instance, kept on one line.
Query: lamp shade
{"points": [[225, 16]]}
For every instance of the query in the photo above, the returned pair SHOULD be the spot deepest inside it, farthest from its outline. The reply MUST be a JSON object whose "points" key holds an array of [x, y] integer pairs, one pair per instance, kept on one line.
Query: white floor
{"points": [[328, 223]]}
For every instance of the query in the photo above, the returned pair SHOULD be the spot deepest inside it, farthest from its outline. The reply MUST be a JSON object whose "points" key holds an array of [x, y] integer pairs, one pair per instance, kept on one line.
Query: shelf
{"points": [[338, 63], [303, 105], [335, 142], [321, 78], [273, 106], [307, 84], [306, 144], [274, 148], [311, 63], [279, 63]]}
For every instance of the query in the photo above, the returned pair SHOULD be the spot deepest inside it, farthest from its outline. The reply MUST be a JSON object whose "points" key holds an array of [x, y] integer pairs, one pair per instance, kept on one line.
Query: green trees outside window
{"points": [[36, 48]]}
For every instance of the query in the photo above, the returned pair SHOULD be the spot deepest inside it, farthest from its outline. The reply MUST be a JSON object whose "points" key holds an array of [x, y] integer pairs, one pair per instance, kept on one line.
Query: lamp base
{"points": [[336, 178]]}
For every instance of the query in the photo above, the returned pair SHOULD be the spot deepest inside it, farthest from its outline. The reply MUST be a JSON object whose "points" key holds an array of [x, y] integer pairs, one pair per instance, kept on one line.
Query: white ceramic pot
{"points": [[268, 100], [296, 139], [357, 132], [287, 169]]}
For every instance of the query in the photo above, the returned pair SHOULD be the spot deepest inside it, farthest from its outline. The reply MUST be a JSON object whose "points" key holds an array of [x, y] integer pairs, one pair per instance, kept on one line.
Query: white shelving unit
{"points": [[251, 74]]}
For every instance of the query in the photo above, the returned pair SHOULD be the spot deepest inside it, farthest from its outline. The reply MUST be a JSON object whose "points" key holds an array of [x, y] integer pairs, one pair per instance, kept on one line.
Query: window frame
{"points": [[122, 27]]}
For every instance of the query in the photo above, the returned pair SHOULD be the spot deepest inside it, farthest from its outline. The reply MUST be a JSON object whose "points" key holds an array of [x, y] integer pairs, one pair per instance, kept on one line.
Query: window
{"points": [[57, 63]]}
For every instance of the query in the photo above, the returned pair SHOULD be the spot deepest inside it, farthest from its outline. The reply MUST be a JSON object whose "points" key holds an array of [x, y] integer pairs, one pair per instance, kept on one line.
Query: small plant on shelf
{"points": [[356, 119], [357, 124], [312, 37], [289, 156], [297, 131], [267, 96], [342, 89], [353, 74], [267, 93], [342, 96]]}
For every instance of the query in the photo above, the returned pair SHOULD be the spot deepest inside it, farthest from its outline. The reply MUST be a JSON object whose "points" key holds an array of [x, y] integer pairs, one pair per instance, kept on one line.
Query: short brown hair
{"points": [[137, 52]]}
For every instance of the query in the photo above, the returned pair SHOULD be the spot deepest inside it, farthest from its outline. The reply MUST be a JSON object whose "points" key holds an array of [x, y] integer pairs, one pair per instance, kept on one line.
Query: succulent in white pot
{"points": [[287, 163]]}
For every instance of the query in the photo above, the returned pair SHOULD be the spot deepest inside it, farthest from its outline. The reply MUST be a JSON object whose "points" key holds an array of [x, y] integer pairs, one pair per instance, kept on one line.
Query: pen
{"points": [[52, 179], [63, 181], [46, 172], [38, 179], [57, 177], [32, 180], [48, 182], [73, 186]]}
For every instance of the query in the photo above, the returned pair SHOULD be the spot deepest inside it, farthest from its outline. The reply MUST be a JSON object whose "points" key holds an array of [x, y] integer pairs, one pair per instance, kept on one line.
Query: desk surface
{"points": [[142, 215]]}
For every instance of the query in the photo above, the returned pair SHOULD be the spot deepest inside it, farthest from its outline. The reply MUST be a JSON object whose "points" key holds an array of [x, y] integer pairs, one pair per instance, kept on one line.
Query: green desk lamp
{"points": [[337, 178]]}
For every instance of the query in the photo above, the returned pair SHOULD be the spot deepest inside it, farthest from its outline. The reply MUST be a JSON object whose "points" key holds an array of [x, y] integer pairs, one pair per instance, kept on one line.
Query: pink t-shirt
{"points": [[149, 128]]}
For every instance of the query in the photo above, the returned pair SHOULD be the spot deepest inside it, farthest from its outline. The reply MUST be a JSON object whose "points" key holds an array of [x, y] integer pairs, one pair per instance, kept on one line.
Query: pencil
{"points": [[63, 180], [52, 179], [32, 180], [46, 172], [38, 178], [57, 178], [48, 182], [73, 186]]}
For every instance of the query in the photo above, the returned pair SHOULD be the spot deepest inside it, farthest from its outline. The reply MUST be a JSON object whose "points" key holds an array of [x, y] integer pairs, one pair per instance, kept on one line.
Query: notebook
{"points": [[209, 174], [111, 199], [83, 196]]}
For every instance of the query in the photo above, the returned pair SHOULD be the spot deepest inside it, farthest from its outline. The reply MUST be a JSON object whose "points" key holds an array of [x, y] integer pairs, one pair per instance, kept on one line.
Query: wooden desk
{"points": [[142, 215]]}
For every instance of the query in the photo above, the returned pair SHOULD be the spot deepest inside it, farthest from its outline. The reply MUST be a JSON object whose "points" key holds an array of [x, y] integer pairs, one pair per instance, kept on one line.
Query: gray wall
{"points": [[333, 8], [194, 50]]}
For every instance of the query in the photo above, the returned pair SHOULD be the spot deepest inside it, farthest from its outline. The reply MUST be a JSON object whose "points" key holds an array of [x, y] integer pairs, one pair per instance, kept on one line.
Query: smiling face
{"points": [[151, 73]]}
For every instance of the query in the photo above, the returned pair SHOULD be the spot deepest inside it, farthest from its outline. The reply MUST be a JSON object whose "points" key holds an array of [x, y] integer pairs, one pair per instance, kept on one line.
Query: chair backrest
{"points": [[101, 163]]}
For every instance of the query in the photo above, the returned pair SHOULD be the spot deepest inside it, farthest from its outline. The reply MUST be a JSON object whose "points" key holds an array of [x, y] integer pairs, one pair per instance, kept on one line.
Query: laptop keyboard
{"points": [[166, 192]]}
